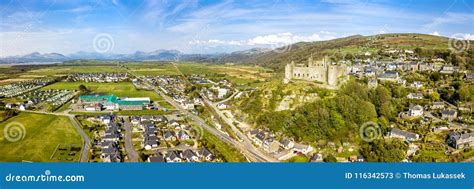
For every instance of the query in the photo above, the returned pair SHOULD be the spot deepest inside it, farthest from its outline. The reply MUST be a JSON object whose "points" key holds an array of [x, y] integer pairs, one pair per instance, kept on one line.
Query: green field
{"points": [[153, 69], [64, 70], [298, 159], [121, 89], [42, 136], [235, 73]]}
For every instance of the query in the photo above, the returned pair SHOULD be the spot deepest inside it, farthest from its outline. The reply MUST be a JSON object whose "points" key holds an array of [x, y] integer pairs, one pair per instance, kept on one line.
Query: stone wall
{"points": [[321, 71]]}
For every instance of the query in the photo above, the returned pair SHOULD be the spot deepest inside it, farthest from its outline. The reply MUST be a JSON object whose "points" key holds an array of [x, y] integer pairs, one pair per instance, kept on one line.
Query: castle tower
{"points": [[289, 72], [335, 73], [310, 61], [325, 62]]}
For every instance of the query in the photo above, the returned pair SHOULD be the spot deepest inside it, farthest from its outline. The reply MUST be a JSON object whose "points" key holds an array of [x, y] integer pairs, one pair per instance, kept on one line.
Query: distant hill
{"points": [[159, 55], [275, 58], [34, 57], [357, 44]]}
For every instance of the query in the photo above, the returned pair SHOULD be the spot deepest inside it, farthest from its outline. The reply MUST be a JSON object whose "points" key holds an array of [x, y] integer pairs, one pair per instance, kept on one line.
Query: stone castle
{"points": [[321, 71]]}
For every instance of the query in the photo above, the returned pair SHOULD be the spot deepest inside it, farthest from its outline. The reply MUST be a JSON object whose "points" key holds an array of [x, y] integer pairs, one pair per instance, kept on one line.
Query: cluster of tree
{"points": [[459, 92], [9, 113], [338, 118], [384, 151], [463, 59], [329, 118], [193, 90], [83, 89]]}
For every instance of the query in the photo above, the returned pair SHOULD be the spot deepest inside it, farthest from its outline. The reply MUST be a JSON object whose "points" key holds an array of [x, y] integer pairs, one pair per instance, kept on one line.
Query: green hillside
{"points": [[354, 45]]}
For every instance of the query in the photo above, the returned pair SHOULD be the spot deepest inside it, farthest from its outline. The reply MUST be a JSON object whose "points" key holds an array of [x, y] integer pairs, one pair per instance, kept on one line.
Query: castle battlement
{"points": [[316, 70]]}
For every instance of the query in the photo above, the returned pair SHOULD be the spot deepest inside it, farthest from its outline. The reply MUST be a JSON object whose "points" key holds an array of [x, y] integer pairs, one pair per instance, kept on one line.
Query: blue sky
{"points": [[194, 26]]}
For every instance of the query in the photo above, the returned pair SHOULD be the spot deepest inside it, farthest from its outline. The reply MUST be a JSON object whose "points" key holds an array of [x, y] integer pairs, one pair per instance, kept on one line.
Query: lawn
{"points": [[64, 107], [298, 159], [121, 89], [42, 135]]}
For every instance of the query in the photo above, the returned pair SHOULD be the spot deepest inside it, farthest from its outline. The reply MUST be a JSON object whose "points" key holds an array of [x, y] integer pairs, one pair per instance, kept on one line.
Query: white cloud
{"points": [[451, 18], [462, 36], [435, 33], [274, 40], [469, 36]]}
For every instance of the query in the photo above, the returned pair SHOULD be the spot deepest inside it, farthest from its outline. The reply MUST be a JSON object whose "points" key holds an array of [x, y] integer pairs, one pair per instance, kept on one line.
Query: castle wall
{"points": [[318, 71], [310, 73], [335, 72]]}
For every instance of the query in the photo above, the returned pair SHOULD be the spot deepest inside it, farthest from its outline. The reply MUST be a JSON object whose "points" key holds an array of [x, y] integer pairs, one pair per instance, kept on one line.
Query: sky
{"points": [[194, 26]]}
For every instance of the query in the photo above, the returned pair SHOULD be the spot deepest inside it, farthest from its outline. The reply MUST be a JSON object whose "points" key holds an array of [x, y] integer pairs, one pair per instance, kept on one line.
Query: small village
{"points": [[159, 134]]}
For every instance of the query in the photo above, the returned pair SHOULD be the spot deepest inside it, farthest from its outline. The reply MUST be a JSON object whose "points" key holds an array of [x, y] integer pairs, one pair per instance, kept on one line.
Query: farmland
{"points": [[122, 89], [238, 74], [43, 134]]}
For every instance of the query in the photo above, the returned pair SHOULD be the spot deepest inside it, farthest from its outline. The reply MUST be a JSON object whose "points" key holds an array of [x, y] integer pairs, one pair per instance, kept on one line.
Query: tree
{"points": [[418, 50], [465, 92], [199, 109], [434, 96], [382, 99], [330, 158], [381, 150], [436, 76], [83, 88], [10, 113]]}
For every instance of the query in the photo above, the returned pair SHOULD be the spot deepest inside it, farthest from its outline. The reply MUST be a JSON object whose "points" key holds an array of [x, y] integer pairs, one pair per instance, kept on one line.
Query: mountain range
{"points": [[275, 58], [158, 55]]}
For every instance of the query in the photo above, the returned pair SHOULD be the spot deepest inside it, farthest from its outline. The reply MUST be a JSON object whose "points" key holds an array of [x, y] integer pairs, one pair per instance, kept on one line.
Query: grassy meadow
{"points": [[42, 136], [121, 89]]}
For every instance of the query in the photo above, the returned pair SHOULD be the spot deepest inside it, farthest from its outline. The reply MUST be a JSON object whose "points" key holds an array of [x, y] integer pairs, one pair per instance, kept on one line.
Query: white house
{"points": [[222, 106], [415, 111], [302, 148]]}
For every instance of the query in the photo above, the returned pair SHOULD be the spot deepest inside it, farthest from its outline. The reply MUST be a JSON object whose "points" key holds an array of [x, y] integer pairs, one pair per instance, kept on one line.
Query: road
{"points": [[131, 152], [246, 141], [250, 153], [85, 138], [227, 99]]}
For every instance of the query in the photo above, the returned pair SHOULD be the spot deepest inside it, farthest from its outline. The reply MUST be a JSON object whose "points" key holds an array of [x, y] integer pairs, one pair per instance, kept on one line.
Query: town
{"points": [[422, 105]]}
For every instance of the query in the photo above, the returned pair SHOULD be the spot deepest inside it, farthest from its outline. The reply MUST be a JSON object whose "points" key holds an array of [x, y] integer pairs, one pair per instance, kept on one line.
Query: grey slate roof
{"points": [[406, 134]]}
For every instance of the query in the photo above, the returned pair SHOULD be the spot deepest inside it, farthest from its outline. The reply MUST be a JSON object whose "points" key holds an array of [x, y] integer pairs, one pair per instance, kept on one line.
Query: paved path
{"points": [[87, 140], [227, 99], [131, 152]]}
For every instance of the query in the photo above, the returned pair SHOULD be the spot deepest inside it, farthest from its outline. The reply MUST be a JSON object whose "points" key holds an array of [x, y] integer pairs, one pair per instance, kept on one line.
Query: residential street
{"points": [[131, 152], [87, 141]]}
